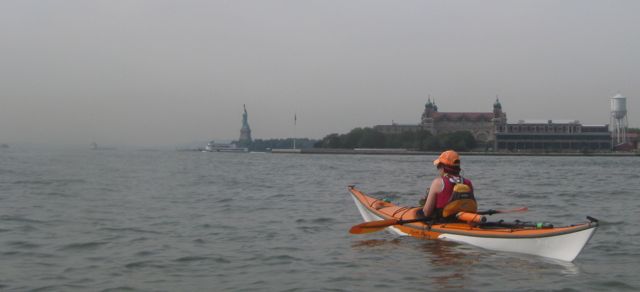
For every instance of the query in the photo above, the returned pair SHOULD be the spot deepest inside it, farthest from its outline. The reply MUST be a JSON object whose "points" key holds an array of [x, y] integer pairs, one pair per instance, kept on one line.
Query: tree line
{"points": [[267, 144], [419, 140]]}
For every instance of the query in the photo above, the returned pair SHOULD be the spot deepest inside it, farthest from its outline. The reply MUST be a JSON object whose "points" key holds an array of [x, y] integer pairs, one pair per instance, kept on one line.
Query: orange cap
{"points": [[449, 157]]}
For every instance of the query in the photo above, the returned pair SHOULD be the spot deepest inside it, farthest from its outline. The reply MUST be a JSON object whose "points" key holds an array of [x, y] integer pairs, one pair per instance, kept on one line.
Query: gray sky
{"points": [[169, 72]]}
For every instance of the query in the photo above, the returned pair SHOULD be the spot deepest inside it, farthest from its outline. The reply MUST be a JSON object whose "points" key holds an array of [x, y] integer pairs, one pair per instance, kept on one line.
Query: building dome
{"points": [[497, 104], [429, 103]]}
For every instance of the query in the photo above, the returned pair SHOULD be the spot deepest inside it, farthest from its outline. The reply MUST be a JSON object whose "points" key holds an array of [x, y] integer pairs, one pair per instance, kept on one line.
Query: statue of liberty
{"points": [[245, 132], [245, 123]]}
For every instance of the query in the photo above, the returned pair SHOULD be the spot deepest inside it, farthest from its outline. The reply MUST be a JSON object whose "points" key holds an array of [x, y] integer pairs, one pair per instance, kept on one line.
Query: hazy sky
{"points": [[170, 72]]}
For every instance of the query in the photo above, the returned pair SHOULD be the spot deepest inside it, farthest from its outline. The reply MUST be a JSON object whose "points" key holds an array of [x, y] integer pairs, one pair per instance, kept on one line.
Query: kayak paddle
{"points": [[373, 226], [491, 211]]}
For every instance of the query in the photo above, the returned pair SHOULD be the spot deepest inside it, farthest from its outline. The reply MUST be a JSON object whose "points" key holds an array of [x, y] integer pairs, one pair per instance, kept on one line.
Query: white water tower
{"points": [[619, 119]]}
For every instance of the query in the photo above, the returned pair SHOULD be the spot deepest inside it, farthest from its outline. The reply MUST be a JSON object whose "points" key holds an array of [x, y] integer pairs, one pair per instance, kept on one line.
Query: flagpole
{"points": [[295, 119]]}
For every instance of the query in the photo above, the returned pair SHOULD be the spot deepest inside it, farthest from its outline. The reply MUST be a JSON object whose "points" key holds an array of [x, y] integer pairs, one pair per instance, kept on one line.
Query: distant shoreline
{"points": [[411, 152]]}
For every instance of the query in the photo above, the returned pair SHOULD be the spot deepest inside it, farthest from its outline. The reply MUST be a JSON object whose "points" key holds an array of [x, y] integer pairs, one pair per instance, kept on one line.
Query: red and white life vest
{"points": [[449, 181]]}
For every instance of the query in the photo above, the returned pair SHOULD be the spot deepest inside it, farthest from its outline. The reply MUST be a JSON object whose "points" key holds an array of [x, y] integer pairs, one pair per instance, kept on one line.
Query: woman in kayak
{"points": [[449, 193]]}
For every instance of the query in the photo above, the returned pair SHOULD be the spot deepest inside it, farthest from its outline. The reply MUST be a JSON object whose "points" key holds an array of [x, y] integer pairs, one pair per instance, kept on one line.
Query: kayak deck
{"points": [[563, 243]]}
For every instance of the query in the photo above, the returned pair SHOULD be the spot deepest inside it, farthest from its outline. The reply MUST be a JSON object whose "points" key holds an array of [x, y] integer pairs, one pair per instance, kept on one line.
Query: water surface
{"points": [[188, 221]]}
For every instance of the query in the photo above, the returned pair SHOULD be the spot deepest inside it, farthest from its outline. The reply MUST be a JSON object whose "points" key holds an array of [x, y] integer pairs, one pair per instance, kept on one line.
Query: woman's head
{"points": [[448, 162]]}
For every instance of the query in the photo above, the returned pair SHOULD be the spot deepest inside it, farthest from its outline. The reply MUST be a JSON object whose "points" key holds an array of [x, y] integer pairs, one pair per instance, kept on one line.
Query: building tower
{"points": [[427, 116], [497, 108], [245, 132], [619, 119], [499, 121], [429, 109], [499, 117]]}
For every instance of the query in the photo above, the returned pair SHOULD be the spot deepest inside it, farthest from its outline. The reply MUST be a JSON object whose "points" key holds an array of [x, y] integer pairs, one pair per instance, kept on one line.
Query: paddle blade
{"points": [[523, 209], [373, 226]]}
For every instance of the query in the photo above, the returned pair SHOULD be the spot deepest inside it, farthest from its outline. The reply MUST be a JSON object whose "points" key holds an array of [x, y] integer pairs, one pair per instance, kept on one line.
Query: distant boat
{"points": [[221, 147], [94, 146]]}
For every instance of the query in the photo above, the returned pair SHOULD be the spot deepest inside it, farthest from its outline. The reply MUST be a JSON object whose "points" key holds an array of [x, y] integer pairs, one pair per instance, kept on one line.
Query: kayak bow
{"points": [[562, 243]]}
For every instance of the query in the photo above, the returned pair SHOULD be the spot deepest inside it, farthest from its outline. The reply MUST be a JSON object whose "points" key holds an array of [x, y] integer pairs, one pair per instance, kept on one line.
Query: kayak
{"points": [[561, 243]]}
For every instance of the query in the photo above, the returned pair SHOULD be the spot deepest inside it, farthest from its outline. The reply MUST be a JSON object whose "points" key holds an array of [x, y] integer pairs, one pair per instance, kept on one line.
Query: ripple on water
{"points": [[79, 270], [58, 182], [18, 254], [224, 200], [119, 288], [145, 253], [321, 220], [23, 244], [47, 288], [32, 182], [311, 229], [59, 194], [91, 245], [220, 260], [287, 248], [279, 196], [129, 230], [282, 259], [190, 259], [145, 264], [613, 285], [393, 196], [21, 219]]}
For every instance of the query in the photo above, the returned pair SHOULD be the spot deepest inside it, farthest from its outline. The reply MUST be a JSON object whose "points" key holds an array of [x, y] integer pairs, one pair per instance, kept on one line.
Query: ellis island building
{"points": [[491, 130], [482, 125]]}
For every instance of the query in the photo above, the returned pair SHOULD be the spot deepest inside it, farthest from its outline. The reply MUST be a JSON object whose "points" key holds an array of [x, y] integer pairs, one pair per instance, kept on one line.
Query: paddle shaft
{"points": [[491, 211], [401, 222]]}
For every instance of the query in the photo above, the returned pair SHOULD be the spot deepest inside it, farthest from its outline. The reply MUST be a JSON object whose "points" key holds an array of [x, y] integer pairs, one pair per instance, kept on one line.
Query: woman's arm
{"points": [[429, 206]]}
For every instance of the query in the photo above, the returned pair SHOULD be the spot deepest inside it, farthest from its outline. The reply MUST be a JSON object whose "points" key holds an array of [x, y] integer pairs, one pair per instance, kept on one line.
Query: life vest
{"points": [[456, 196]]}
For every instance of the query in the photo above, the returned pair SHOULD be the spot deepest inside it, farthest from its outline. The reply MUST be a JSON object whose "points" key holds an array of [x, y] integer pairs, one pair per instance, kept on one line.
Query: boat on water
{"points": [[224, 147], [561, 243], [94, 146]]}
